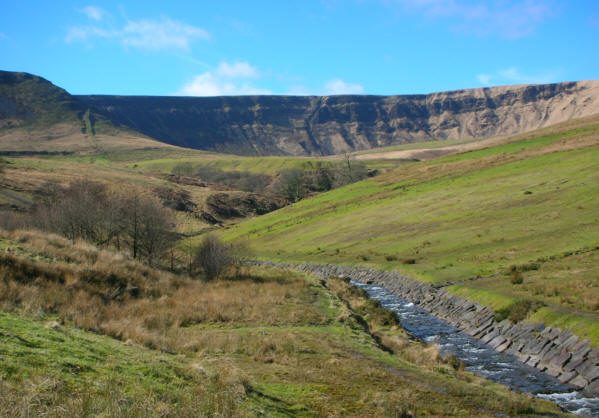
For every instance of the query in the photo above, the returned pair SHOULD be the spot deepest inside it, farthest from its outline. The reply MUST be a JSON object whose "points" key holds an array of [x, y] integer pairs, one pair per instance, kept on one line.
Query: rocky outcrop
{"points": [[556, 352], [309, 125]]}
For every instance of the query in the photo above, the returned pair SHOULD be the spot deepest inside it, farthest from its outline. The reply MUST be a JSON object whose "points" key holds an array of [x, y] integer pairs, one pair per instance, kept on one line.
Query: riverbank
{"points": [[556, 352]]}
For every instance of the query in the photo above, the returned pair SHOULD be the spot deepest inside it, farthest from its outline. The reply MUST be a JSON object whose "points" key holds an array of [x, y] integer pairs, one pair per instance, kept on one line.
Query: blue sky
{"points": [[299, 47]]}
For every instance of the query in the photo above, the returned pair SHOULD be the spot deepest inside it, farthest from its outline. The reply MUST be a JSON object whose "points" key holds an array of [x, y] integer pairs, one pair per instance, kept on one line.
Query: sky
{"points": [[302, 47]]}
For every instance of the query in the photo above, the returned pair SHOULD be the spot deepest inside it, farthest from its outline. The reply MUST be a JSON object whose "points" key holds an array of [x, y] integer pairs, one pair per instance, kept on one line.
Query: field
{"points": [[183, 347], [526, 202]]}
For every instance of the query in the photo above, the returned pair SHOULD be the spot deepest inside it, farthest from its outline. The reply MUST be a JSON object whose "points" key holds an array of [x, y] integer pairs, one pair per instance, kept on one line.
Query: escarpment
{"points": [[311, 125]]}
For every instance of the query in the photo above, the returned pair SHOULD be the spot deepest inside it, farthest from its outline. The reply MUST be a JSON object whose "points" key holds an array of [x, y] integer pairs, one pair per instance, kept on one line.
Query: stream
{"points": [[480, 358]]}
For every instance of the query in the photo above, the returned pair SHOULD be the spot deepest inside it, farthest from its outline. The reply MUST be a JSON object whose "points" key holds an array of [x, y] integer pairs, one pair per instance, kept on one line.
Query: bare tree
{"points": [[213, 257], [292, 184], [148, 227], [86, 210], [77, 211], [348, 162]]}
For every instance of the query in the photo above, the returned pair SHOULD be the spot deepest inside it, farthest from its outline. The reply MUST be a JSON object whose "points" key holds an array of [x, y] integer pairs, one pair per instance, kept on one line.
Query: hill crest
{"points": [[313, 125], [33, 110]]}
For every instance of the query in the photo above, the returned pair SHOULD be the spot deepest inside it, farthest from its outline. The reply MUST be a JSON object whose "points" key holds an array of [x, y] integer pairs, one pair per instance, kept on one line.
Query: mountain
{"points": [[308, 125], [37, 116], [29, 100]]}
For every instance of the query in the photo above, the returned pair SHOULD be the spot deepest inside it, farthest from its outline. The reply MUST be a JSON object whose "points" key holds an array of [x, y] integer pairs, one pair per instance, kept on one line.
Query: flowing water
{"points": [[480, 358]]}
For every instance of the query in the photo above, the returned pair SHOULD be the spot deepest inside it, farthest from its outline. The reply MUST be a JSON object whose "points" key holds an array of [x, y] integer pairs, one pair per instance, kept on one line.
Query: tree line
{"points": [[293, 183], [135, 222], [88, 210]]}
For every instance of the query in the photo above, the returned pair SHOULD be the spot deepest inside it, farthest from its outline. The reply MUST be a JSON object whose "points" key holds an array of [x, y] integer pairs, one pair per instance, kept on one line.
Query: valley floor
{"points": [[263, 342]]}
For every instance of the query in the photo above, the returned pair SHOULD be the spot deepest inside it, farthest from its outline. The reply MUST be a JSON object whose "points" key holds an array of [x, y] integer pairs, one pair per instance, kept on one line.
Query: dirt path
{"points": [[425, 154]]}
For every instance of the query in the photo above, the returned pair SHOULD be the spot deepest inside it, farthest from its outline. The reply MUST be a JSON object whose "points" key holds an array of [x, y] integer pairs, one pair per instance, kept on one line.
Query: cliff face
{"points": [[292, 125]]}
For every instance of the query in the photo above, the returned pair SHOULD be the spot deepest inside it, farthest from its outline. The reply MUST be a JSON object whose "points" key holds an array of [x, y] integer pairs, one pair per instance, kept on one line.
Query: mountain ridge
{"points": [[33, 109], [325, 125]]}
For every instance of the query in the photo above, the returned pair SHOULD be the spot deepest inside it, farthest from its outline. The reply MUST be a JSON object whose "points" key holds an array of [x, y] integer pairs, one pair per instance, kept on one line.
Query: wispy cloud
{"points": [[94, 12], [227, 79], [335, 86], [3, 36], [511, 19], [149, 34], [338, 86], [513, 75], [238, 69], [484, 79]]}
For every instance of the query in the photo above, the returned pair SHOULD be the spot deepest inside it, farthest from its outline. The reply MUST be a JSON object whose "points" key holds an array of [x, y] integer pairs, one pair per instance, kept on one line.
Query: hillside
{"points": [[37, 116], [465, 220], [141, 342], [309, 125]]}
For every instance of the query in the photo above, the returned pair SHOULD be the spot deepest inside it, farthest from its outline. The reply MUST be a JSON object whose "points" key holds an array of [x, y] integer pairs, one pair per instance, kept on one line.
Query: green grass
{"points": [[266, 165], [472, 214], [304, 354], [70, 371]]}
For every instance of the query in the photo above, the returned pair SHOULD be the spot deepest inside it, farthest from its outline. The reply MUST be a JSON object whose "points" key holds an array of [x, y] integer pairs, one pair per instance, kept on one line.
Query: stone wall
{"points": [[551, 350]]}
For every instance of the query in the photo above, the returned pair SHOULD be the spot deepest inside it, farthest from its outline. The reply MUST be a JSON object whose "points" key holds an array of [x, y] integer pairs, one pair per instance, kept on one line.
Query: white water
{"points": [[480, 358]]}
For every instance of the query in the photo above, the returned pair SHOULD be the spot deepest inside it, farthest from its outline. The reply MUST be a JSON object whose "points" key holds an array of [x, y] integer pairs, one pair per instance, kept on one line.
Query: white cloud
{"points": [[335, 86], [511, 19], [82, 33], [513, 75], [224, 81], [161, 34], [239, 78], [338, 86], [239, 69], [484, 79], [144, 34], [93, 12]]}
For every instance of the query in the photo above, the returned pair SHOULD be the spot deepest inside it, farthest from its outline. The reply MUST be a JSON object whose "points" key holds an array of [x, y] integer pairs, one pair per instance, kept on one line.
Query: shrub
{"points": [[516, 277], [213, 257], [390, 257], [524, 267], [409, 261], [519, 310]]}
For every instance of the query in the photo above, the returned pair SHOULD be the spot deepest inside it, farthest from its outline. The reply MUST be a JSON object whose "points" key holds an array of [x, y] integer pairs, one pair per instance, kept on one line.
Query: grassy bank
{"points": [[262, 342], [467, 215]]}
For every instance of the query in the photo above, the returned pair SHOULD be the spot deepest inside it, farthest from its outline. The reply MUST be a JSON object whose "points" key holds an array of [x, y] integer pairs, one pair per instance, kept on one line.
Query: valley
{"points": [[452, 190]]}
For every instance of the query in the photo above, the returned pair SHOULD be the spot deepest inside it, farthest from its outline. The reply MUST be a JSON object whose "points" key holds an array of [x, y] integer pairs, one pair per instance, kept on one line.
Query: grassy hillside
{"points": [[528, 203], [74, 344]]}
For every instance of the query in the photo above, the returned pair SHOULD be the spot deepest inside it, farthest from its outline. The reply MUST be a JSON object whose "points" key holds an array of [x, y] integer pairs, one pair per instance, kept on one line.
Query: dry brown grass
{"points": [[106, 292]]}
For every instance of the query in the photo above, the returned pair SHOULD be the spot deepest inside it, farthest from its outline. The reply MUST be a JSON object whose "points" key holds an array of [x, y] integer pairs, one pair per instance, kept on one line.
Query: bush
{"points": [[391, 258], [518, 311], [516, 277], [409, 261], [213, 257], [524, 267]]}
